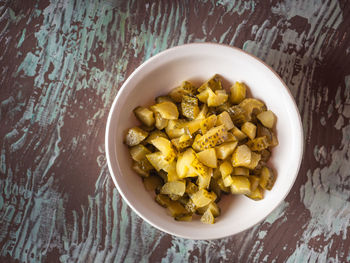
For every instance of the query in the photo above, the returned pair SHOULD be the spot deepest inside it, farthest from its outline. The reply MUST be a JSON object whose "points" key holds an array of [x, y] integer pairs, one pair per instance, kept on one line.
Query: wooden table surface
{"points": [[61, 65]]}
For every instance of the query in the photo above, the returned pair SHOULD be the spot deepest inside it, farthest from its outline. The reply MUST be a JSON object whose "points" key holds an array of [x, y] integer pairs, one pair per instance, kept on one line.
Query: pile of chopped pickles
{"points": [[196, 144]]}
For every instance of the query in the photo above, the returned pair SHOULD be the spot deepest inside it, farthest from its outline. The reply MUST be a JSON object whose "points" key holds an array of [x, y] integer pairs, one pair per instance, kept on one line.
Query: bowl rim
{"points": [[299, 132]]}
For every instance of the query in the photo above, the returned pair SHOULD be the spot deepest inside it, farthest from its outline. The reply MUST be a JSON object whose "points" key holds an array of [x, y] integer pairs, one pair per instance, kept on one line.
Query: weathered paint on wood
{"points": [[61, 64]]}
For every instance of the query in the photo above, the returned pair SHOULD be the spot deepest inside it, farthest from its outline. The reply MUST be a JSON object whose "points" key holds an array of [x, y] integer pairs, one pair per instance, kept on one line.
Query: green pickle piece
{"points": [[145, 115], [238, 92], [208, 217], [175, 187], [240, 185], [267, 178], [135, 136], [189, 107], [186, 88], [212, 138], [152, 182], [214, 83], [258, 144]]}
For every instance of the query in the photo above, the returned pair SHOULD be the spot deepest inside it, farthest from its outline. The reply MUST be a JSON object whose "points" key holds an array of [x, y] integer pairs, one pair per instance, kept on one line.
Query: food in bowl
{"points": [[197, 143]]}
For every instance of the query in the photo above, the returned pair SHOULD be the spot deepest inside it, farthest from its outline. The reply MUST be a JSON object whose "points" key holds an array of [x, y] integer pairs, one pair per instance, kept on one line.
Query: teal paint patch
{"points": [[262, 234], [276, 214], [20, 42], [2, 161], [20, 142], [29, 65]]}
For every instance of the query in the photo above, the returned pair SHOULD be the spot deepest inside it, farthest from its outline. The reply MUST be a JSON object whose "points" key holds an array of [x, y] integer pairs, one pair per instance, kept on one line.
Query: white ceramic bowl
{"points": [[196, 63]]}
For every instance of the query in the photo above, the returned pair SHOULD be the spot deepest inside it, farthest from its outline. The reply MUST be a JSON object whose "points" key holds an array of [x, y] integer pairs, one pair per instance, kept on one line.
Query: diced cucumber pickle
{"points": [[198, 143], [135, 136], [145, 115], [238, 92]]}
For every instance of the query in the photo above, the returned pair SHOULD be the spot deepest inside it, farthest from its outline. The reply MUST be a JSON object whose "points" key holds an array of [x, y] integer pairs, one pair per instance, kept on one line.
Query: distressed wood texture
{"points": [[61, 65]]}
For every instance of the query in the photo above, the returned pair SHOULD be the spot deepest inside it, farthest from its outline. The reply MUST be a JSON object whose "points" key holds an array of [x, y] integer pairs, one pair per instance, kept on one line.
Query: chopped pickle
{"points": [[252, 106], [167, 110], [257, 194], [238, 92], [161, 123], [227, 181], [135, 136], [162, 174], [171, 172], [225, 119], [265, 155], [174, 197], [161, 99], [193, 125], [202, 197], [223, 107], [267, 178], [222, 187], [198, 168], [238, 134], [249, 129], [189, 107], [215, 210], [208, 123], [186, 88], [211, 98], [267, 118], [216, 173], [213, 137], [187, 218], [225, 169], [214, 83], [213, 207], [203, 112], [138, 152], [238, 115], [203, 181], [240, 171], [254, 182], [184, 162], [155, 134], [176, 209], [191, 188], [204, 95], [216, 99], [175, 129], [242, 156], [182, 142], [274, 140], [157, 160], [255, 158], [196, 144], [163, 200], [240, 185], [215, 187], [224, 150], [175, 187], [145, 115], [207, 217], [258, 144], [165, 146], [208, 157], [189, 206], [230, 137], [141, 168], [152, 182]]}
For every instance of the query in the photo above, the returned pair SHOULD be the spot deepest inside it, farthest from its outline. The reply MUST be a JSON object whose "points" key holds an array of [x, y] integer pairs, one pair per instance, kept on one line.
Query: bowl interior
{"points": [[196, 63]]}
